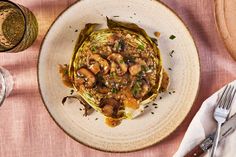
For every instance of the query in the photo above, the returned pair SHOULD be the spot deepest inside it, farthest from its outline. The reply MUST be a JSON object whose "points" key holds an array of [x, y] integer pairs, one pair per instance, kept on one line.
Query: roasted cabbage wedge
{"points": [[116, 70]]}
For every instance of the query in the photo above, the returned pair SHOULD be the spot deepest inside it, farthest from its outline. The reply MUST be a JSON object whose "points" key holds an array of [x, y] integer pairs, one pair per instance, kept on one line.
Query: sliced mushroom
{"points": [[94, 67], [140, 89], [103, 89], [96, 61], [135, 69], [138, 67], [117, 63], [86, 77], [109, 107]]}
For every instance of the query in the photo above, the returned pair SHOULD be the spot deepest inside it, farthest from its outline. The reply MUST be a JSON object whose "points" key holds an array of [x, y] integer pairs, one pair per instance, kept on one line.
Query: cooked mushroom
{"points": [[117, 60], [138, 67], [86, 77], [96, 61], [140, 88], [94, 67], [135, 69], [109, 107]]}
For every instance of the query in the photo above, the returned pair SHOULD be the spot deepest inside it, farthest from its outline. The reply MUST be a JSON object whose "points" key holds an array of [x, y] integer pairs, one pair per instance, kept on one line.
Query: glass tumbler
{"points": [[6, 84], [18, 27]]}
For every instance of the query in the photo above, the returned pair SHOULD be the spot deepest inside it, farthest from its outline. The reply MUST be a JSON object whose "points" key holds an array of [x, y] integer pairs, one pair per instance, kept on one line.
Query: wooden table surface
{"points": [[26, 129]]}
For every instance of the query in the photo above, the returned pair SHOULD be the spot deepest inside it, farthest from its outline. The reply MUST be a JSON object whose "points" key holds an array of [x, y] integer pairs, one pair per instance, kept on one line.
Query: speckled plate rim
{"points": [[180, 121]]}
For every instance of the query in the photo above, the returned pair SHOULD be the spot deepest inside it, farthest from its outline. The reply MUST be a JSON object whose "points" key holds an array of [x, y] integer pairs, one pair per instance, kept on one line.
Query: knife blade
{"points": [[227, 128]]}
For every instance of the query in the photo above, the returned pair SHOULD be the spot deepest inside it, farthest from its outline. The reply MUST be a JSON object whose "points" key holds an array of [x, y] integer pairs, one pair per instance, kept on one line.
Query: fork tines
{"points": [[227, 97]]}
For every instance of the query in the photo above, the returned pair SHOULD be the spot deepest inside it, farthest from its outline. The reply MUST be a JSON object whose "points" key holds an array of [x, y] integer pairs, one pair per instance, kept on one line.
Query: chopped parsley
{"points": [[65, 72], [144, 68], [93, 48], [113, 74], [172, 37], [114, 90], [121, 61], [141, 47], [136, 88]]}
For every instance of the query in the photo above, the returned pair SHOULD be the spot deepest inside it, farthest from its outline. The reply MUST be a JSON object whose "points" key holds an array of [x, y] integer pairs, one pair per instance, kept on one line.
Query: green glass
{"points": [[18, 27]]}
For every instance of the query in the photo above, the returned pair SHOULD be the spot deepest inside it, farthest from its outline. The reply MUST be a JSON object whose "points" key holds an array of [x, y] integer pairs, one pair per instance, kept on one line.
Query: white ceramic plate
{"points": [[147, 129]]}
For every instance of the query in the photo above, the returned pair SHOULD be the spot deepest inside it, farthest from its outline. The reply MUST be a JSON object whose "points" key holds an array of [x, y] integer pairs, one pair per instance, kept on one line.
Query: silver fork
{"points": [[222, 111]]}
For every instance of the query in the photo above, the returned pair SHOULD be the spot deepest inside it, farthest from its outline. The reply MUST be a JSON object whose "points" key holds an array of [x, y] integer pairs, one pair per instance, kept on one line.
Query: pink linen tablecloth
{"points": [[26, 129]]}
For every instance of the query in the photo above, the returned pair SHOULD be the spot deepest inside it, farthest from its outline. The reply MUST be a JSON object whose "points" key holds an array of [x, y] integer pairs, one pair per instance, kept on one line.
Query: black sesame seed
{"points": [[96, 118], [169, 68], [156, 107], [80, 109], [76, 30], [71, 91], [172, 37], [170, 93], [160, 97], [173, 92], [146, 106], [152, 112]]}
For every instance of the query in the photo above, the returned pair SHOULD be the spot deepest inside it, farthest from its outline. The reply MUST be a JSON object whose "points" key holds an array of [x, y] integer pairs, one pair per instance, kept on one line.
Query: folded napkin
{"points": [[203, 124]]}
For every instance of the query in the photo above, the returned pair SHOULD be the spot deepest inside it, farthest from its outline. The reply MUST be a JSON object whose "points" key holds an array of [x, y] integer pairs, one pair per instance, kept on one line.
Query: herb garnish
{"points": [[171, 53], [144, 68], [121, 61], [116, 16], [93, 48], [113, 74], [141, 47], [114, 90], [136, 88], [172, 37]]}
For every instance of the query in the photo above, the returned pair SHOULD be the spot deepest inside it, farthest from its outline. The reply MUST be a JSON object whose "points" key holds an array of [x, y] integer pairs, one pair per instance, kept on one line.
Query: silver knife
{"points": [[228, 127]]}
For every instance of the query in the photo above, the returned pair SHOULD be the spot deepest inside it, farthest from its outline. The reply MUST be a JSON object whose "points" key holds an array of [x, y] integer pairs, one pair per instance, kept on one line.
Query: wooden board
{"points": [[225, 14]]}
